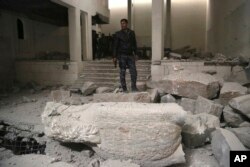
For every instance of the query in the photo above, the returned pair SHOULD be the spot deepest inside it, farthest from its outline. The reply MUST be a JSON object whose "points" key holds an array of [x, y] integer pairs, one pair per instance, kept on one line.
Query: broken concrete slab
{"points": [[152, 130], [231, 90], [88, 88], [232, 117], [241, 104], [188, 105], [243, 133], [204, 105], [104, 90], [60, 95], [191, 85], [197, 129], [140, 97], [224, 141], [168, 99]]}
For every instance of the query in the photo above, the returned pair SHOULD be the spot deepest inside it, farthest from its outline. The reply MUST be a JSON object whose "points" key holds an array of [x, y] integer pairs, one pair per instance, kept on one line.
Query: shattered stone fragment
{"points": [[231, 90]]}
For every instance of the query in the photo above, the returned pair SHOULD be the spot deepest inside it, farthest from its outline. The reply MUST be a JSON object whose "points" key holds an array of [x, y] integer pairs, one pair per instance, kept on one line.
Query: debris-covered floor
{"points": [[211, 105]]}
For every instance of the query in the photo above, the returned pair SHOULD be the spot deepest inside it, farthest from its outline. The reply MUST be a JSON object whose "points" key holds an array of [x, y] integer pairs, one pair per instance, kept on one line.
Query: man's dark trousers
{"points": [[124, 62]]}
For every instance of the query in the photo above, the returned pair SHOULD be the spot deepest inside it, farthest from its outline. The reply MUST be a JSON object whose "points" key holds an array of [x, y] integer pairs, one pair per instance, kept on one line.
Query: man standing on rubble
{"points": [[125, 52]]}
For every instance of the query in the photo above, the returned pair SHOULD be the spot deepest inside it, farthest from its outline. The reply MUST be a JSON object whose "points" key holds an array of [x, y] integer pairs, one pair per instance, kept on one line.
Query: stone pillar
{"points": [[130, 14], [84, 28], [89, 37], [74, 34], [157, 30], [157, 39], [168, 25]]}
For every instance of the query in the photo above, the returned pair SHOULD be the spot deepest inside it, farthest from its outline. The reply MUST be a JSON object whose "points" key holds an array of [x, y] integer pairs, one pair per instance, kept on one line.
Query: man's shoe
{"points": [[134, 90], [125, 90]]}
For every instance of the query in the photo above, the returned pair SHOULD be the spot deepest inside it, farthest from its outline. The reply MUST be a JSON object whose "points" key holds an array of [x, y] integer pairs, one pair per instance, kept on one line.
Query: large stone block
{"points": [[168, 99], [241, 104], [188, 105], [232, 117], [197, 129], [149, 134], [140, 97], [204, 105], [88, 88], [243, 134], [224, 141], [231, 90], [191, 85]]}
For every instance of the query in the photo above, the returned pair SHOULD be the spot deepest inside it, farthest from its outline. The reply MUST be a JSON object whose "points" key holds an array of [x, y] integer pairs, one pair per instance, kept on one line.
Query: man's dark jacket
{"points": [[125, 43]]}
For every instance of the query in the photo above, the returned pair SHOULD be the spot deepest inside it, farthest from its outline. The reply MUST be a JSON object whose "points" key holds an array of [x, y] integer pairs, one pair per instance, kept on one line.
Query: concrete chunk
{"points": [[243, 134], [197, 129], [88, 88], [241, 104], [168, 99], [140, 97], [144, 132], [224, 141], [231, 90], [191, 85], [188, 105], [204, 105], [231, 117]]}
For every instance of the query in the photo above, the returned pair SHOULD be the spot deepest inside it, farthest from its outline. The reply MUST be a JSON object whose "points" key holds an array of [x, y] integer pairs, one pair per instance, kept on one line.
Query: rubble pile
{"points": [[158, 126], [148, 127]]}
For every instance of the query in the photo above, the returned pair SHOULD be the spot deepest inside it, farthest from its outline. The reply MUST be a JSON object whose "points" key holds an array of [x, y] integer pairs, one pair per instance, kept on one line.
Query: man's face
{"points": [[124, 25]]}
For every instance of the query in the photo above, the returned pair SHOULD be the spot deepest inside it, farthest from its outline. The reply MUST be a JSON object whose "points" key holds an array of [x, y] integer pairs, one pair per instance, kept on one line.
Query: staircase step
{"points": [[111, 71], [148, 62], [103, 73], [110, 75]]}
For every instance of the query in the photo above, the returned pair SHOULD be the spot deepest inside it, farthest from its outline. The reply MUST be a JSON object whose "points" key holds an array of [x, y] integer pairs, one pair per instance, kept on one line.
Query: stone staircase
{"points": [[103, 73]]}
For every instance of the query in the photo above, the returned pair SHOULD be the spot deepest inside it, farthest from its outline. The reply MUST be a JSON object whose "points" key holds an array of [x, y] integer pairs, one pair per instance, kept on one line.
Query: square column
{"points": [[130, 14], [157, 30], [86, 35], [74, 34], [89, 37]]}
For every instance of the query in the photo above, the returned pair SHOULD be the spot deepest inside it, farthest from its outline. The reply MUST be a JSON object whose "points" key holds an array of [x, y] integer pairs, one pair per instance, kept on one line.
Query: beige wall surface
{"points": [[228, 29], [38, 36], [188, 21]]}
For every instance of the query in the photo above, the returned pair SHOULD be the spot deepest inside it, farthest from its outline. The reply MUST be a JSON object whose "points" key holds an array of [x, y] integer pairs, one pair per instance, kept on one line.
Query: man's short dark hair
{"points": [[125, 20]]}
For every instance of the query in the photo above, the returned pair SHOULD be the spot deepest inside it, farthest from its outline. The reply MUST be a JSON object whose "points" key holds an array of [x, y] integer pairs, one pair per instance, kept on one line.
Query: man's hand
{"points": [[115, 61]]}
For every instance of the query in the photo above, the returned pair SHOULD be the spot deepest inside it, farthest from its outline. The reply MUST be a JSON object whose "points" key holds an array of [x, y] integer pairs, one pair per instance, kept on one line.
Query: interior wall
{"points": [[188, 23], [38, 36], [228, 30]]}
